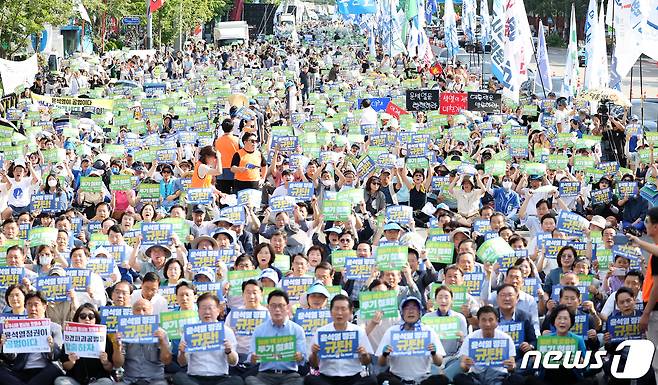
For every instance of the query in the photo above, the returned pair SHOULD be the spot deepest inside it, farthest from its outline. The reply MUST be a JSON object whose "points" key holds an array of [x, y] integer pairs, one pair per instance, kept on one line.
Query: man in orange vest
{"points": [[248, 164], [226, 145], [649, 320]]}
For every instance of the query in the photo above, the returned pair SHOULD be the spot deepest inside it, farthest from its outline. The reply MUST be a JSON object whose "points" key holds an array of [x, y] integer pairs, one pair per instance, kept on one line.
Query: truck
{"points": [[229, 32]]}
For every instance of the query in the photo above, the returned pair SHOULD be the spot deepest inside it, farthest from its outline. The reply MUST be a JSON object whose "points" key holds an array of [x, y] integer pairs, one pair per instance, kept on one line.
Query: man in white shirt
{"points": [[341, 371], [210, 366], [480, 372], [149, 291], [407, 369], [368, 114]]}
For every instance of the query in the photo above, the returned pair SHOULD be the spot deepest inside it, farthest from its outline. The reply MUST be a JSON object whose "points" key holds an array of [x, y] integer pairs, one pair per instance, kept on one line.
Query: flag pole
{"points": [[149, 26], [630, 92], [641, 93], [534, 50]]}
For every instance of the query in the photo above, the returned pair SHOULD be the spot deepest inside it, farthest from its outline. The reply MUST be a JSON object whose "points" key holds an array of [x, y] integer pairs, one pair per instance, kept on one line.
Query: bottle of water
{"points": [[385, 382], [118, 373]]}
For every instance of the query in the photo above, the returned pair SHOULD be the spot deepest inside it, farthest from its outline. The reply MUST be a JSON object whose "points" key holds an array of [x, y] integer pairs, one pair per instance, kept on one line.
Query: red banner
{"points": [[394, 110], [451, 103]]}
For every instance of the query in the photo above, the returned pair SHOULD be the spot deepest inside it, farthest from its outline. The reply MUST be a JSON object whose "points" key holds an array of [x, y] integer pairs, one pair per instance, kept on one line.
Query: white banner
{"points": [[17, 73], [26, 336], [84, 340]]}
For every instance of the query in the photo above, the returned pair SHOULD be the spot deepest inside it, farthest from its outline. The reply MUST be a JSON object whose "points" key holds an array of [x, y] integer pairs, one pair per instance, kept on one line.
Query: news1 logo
{"points": [[640, 354]]}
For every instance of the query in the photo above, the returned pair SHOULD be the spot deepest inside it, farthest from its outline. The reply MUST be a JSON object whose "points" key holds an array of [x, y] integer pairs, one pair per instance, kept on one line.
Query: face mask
{"points": [[327, 183], [507, 185], [52, 183], [44, 261]]}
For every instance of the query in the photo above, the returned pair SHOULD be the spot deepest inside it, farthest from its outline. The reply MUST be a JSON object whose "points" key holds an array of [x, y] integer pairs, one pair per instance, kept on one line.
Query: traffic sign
{"points": [[131, 20]]}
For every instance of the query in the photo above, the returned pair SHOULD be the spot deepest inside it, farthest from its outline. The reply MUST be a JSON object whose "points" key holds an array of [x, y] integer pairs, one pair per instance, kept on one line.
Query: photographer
{"points": [[614, 135]]}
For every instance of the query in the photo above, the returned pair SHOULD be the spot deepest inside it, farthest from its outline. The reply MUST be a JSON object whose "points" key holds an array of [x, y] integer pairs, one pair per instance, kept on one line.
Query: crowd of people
{"points": [[282, 192]]}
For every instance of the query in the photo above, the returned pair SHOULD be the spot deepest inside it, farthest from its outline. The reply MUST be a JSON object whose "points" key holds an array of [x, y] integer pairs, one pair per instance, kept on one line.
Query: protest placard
{"points": [[203, 258], [447, 328], [235, 279], [391, 257], [11, 275], [571, 223], [569, 189], [514, 329], [452, 103], [422, 100], [110, 316], [336, 210], [296, 286], [402, 215], [250, 197], [338, 345], [312, 319], [87, 341], [440, 252], [410, 343], [199, 196], [54, 288], [245, 321], [276, 349], [26, 336], [204, 337], [216, 288], [173, 322], [473, 281], [493, 249], [487, 102], [138, 329], [42, 236], [489, 352], [156, 233], [80, 278], [358, 267], [301, 191], [91, 184], [622, 328], [283, 204], [384, 301]]}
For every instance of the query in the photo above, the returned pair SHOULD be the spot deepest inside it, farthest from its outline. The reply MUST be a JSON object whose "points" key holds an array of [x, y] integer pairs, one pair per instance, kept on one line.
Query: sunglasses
{"points": [[87, 316]]}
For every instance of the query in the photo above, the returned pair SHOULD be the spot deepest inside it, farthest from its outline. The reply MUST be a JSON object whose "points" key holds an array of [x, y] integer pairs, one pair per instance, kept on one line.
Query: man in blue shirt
{"points": [[279, 372]]}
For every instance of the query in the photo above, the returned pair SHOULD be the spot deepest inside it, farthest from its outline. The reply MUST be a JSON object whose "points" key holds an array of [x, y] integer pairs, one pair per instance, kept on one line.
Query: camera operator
{"points": [[614, 137]]}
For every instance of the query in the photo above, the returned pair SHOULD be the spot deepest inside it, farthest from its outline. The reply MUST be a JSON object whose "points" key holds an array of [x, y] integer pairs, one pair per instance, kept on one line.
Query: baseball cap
{"points": [[598, 221], [410, 299], [318, 288], [206, 271], [198, 209], [57, 271], [269, 274], [392, 226]]}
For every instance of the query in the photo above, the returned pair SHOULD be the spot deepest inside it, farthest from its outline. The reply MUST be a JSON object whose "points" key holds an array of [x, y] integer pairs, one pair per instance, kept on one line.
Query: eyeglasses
{"points": [[87, 316], [375, 183], [344, 241], [277, 306]]}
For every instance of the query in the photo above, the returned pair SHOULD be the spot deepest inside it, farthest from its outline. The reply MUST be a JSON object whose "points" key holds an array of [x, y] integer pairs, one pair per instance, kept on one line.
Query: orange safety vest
{"points": [[647, 285], [197, 181], [252, 174]]}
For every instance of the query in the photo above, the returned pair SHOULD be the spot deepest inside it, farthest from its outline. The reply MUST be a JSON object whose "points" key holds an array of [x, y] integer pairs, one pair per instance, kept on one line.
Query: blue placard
{"points": [[54, 288], [489, 352], [245, 321], [301, 191], [359, 267], [235, 214], [282, 203], [569, 189], [514, 330], [285, 143], [48, 203], [199, 196], [410, 343], [530, 286], [377, 104], [627, 189], [571, 223], [204, 337], [203, 258], [155, 233], [80, 278], [210, 287], [402, 215], [601, 196], [138, 329], [623, 328], [338, 345], [296, 286], [580, 327], [110, 316], [481, 226], [473, 282], [11, 276], [312, 319]]}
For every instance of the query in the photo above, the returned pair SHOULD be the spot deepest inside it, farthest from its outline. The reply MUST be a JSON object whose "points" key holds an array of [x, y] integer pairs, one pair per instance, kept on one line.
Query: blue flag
{"points": [[544, 79]]}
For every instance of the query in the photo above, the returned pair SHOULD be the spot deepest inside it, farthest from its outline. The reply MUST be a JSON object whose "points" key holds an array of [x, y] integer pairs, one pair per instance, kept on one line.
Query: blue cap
{"points": [[392, 226], [318, 288], [410, 299]]}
